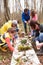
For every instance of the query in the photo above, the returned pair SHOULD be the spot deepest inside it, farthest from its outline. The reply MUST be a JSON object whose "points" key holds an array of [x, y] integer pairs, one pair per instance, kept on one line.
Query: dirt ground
{"points": [[41, 59], [5, 58]]}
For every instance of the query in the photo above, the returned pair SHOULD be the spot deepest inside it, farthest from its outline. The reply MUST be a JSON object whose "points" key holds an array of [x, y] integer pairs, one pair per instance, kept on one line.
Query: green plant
{"points": [[23, 41]]}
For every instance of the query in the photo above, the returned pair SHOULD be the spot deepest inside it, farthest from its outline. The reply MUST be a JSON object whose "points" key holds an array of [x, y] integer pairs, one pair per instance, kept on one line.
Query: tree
{"points": [[34, 4], [6, 10], [19, 8]]}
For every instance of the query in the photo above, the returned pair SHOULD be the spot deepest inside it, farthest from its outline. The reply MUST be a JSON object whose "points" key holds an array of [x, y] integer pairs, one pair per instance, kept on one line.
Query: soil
{"points": [[5, 57], [41, 59]]}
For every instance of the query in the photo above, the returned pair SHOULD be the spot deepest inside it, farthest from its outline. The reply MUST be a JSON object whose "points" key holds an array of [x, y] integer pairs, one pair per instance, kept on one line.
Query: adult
{"points": [[38, 34], [26, 18], [7, 25], [36, 27]]}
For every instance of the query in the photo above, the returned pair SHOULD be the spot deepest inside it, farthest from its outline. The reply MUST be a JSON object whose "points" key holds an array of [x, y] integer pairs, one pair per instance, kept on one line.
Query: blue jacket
{"points": [[25, 17]]}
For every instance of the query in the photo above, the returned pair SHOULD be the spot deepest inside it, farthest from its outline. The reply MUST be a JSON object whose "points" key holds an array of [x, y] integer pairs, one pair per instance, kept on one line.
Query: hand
{"points": [[25, 21], [39, 46]]}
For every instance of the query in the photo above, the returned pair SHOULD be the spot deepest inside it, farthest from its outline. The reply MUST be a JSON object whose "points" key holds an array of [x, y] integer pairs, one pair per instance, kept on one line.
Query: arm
{"points": [[23, 19], [39, 45], [29, 14], [9, 44]]}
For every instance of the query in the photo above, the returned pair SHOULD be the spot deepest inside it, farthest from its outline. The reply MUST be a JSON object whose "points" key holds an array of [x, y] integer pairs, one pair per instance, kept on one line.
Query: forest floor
{"points": [[5, 58]]}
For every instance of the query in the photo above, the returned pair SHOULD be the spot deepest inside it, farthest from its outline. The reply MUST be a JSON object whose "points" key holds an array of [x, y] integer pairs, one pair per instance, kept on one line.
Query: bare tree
{"points": [[35, 4], [6, 9], [0, 5], [26, 3], [19, 8]]}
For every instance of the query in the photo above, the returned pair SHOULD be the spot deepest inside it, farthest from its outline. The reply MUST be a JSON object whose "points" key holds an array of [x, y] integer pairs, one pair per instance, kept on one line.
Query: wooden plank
{"points": [[30, 54]]}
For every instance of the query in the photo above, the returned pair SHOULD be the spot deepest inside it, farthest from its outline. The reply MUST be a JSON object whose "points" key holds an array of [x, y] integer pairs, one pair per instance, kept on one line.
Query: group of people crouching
{"points": [[8, 34], [37, 33], [9, 31]]}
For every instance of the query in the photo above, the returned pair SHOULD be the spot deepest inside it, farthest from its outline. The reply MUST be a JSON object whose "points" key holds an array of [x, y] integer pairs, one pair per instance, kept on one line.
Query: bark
{"points": [[18, 8], [35, 4], [27, 5], [7, 17]]}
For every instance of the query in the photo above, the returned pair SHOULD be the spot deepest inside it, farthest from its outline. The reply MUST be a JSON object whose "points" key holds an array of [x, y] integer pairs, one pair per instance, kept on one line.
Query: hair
{"points": [[18, 22], [33, 24], [13, 24], [33, 13], [11, 30], [26, 10]]}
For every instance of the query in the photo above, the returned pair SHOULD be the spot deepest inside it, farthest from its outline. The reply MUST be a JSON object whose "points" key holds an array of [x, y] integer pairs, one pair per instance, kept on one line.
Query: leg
{"points": [[29, 26], [25, 27], [4, 49]]}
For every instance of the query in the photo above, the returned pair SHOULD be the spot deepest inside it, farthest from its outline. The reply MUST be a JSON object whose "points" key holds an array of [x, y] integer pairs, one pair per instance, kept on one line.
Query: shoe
{"points": [[3, 49]]}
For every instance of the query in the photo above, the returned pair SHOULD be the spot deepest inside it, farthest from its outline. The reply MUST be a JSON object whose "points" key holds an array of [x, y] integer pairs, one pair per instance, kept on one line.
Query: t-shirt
{"points": [[35, 18]]}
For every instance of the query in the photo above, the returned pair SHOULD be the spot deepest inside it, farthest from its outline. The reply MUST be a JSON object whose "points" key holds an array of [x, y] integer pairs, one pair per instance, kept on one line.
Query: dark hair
{"points": [[18, 21], [26, 10], [13, 25], [33, 23]]}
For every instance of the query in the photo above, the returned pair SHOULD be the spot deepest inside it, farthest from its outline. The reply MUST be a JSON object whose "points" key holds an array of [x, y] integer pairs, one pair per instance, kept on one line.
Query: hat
{"points": [[14, 22]]}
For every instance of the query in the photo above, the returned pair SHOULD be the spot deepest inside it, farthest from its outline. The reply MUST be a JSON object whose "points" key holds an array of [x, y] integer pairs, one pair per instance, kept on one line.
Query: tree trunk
{"points": [[7, 17], [35, 4]]}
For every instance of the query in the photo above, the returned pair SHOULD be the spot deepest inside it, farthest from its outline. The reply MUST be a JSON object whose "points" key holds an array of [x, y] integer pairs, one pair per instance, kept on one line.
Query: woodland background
{"points": [[12, 9]]}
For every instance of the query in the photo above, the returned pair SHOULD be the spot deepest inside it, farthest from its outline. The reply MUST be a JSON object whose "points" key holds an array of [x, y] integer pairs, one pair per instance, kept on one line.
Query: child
{"points": [[8, 39], [34, 16]]}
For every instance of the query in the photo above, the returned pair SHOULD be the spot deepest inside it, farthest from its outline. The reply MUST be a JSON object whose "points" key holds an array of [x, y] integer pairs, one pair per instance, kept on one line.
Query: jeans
{"points": [[25, 27], [40, 38]]}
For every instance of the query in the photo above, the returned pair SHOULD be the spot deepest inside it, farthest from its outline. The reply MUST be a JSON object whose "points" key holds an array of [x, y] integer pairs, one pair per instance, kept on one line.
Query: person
{"points": [[34, 16], [26, 18], [37, 33], [9, 24], [39, 42], [36, 27], [8, 39]]}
